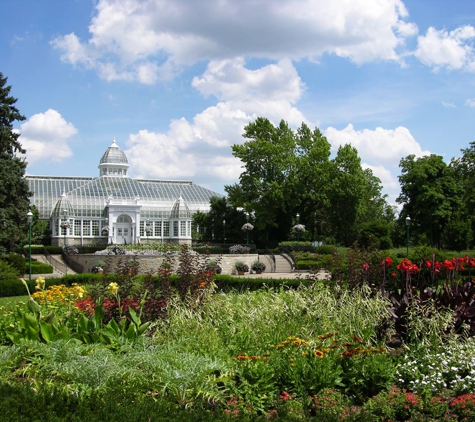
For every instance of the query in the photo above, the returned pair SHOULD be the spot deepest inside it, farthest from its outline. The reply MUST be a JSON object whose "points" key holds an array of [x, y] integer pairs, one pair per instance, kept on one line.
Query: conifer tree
{"points": [[14, 191]]}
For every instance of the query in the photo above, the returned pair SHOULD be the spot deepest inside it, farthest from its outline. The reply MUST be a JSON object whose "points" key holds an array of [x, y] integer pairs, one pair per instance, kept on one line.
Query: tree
{"points": [[265, 185], [14, 192], [346, 191], [211, 226], [430, 195], [288, 172]]}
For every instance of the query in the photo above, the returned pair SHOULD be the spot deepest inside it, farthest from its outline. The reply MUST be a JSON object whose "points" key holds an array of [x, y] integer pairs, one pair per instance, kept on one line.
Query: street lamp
{"points": [[298, 233], [408, 223], [29, 219], [224, 232], [247, 231], [147, 225], [65, 226]]}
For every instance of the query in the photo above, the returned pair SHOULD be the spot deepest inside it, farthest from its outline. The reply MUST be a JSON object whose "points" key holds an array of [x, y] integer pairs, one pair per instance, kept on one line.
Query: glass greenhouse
{"points": [[113, 208]]}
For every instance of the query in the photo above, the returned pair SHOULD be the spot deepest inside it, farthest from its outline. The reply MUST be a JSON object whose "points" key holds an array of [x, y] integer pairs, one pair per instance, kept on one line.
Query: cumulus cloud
{"points": [[45, 136], [230, 80], [200, 149], [384, 146], [380, 150], [450, 50], [149, 40], [470, 102]]}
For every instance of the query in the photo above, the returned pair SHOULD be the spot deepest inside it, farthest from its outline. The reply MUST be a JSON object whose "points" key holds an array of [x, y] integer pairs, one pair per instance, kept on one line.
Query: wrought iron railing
{"points": [[71, 263], [58, 265]]}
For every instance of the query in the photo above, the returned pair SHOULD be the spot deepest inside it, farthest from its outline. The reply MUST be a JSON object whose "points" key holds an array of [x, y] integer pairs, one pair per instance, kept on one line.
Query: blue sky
{"points": [[176, 81]]}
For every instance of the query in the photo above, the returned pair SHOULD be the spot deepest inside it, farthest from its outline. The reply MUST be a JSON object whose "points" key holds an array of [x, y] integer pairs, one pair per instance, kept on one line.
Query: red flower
{"points": [[387, 261], [428, 264], [365, 266], [393, 274]]}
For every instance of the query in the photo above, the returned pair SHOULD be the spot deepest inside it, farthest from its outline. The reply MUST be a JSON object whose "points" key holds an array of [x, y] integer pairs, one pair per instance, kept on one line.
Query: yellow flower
{"points": [[113, 288], [318, 354]]}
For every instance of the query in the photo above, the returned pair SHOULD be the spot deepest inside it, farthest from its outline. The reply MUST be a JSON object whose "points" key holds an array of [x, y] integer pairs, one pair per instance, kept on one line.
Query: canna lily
{"points": [[113, 288]]}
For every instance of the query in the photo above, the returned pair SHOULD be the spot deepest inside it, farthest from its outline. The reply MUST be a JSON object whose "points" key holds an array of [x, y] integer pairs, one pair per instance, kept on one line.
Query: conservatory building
{"points": [[114, 208]]}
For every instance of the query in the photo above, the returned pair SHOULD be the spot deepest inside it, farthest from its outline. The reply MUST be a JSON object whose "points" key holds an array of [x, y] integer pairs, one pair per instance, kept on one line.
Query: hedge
{"points": [[39, 268], [14, 287]]}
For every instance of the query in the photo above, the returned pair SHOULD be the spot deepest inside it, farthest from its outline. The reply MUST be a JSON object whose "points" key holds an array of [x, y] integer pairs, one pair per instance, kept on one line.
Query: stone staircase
{"points": [[282, 265]]}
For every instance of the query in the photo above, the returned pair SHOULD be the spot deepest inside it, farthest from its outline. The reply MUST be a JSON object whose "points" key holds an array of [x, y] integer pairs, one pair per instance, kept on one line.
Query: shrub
{"points": [[325, 249], [38, 268], [16, 261], [7, 271], [239, 249], [14, 287]]}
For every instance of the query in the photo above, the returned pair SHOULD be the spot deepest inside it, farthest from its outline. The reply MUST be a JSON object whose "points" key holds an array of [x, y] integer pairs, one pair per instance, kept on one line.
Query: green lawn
{"points": [[9, 301]]}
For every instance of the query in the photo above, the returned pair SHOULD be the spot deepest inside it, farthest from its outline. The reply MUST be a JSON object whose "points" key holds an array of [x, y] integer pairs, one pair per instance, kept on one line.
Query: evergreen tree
{"points": [[14, 192]]}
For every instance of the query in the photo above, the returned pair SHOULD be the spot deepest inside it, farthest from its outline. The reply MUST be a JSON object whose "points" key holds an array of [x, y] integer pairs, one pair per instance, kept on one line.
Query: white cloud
{"points": [[451, 50], [149, 40], [230, 80], [448, 104], [470, 102], [45, 136], [388, 180], [384, 146]]}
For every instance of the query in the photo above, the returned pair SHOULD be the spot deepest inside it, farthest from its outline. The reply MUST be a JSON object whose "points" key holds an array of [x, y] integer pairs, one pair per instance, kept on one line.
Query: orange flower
{"points": [[318, 354]]}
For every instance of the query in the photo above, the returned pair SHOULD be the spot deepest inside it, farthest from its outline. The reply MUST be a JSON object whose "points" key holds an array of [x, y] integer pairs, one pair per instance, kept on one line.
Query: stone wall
{"points": [[152, 263]]}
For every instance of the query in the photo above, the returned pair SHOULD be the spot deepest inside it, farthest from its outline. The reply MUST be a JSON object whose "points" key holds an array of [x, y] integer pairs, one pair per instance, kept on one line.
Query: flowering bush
{"points": [[247, 227], [258, 266], [239, 249], [58, 295], [70, 250], [464, 407], [430, 370], [298, 228], [241, 266]]}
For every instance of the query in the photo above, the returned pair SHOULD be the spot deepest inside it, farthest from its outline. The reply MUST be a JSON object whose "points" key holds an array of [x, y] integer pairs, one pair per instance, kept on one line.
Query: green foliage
{"points": [[13, 286], [14, 191], [16, 261], [430, 195], [296, 246], [289, 172], [7, 271], [373, 232], [425, 253], [38, 268], [325, 250]]}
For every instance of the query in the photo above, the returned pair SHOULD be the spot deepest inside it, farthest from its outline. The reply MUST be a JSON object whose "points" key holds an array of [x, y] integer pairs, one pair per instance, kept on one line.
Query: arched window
{"points": [[124, 218]]}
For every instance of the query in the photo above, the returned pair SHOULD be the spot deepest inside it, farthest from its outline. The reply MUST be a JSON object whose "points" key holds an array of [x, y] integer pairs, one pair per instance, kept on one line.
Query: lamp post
{"points": [[298, 233], [408, 223], [29, 219], [247, 231], [224, 232], [147, 225], [65, 226]]}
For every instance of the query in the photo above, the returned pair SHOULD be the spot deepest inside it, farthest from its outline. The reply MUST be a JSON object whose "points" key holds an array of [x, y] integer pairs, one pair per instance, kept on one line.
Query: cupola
{"points": [[113, 162]]}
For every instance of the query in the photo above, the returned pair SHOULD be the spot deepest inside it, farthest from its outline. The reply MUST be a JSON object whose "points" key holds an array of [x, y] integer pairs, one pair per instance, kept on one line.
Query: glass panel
{"points": [[77, 227], [86, 227], [166, 229], [158, 229], [95, 228]]}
